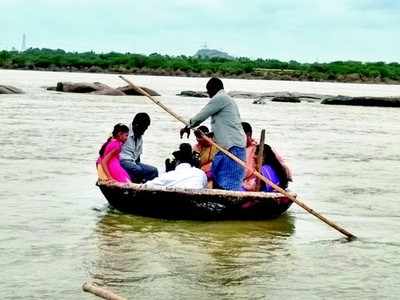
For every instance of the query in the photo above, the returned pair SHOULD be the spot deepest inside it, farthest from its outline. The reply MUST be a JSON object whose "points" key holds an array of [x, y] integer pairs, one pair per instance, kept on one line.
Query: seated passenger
{"points": [[133, 148], [185, 173], [205, 150], [108, 165], [249, 181], [272, 169]]}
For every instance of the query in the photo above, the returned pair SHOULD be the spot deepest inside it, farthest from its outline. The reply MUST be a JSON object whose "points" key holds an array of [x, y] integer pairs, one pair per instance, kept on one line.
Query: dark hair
{"points": [[247, 128], [117, 129], [185, 154], [203, 129], [269, 158], [142, 119], [215, 84]]}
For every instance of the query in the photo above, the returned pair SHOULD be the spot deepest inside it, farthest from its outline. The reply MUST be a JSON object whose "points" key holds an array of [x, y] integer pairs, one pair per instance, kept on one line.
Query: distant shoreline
{"points": [[179, 73], [192, 66]]}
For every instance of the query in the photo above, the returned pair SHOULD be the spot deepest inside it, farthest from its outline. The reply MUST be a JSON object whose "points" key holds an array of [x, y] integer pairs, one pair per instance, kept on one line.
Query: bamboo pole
{"points": [[260, 158], [349, 235], [100, 292]]}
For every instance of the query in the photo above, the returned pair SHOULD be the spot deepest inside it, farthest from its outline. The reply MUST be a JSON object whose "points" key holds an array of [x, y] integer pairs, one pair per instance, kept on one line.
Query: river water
{"points": [[56, 230]]}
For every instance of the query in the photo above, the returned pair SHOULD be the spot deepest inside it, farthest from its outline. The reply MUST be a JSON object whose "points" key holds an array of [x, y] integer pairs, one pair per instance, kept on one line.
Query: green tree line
{"points": [[39, 59]]}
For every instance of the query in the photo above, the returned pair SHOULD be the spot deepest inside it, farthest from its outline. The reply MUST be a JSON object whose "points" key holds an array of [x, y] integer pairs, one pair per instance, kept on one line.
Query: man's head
{"points": [[140, 123], [248, 131], [214, 85]]}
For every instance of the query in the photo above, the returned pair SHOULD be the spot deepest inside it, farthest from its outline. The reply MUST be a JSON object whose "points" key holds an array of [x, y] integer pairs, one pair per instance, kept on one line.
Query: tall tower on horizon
{"points": [[23, 45]]}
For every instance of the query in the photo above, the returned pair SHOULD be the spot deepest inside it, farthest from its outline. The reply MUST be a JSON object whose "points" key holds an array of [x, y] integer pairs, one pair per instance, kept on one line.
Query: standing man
{"points": [[228, 132], [133, 148]]}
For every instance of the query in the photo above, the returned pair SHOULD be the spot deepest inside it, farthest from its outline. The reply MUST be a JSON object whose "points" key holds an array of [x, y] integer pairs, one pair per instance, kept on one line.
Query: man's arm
{"points": [[212, 107]]}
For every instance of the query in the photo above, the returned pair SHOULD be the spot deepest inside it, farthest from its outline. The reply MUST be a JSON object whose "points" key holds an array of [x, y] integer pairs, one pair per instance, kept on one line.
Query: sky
{"points": [[302, 30]]}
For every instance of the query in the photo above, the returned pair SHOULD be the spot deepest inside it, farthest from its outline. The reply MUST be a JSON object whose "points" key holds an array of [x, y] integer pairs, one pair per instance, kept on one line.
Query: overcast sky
{"points": [[303, 30]]}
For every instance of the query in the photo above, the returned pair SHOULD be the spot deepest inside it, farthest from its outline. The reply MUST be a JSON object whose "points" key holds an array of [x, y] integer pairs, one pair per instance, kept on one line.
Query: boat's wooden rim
{"points": [[191, 192]]}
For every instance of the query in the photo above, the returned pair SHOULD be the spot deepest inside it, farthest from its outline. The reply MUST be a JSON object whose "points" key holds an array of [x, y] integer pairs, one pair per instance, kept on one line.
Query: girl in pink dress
{"points": [[109, 155]]}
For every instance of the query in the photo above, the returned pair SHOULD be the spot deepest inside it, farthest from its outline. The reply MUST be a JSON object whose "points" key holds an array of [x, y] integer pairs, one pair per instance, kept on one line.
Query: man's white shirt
{"points": [[184, 176]]}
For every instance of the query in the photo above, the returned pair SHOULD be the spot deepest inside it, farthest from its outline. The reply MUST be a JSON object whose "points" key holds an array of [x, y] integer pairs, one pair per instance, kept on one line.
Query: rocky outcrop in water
{"points": [[260, 101], [128, 90], [7, 89], [363, 101], [245, 95], [97, 88], [108, 92], [196, 94], [288, 99], [80, 87], [279, 96], [262, 98]]}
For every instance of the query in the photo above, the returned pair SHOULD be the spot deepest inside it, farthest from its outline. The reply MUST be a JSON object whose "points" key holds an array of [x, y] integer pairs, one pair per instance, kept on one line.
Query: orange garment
{"points": [[249, 181], [206, 156], [101, 173]]}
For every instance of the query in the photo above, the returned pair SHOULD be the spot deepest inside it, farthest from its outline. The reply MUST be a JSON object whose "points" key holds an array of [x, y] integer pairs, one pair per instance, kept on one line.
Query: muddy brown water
{"points": [[56, 230]]}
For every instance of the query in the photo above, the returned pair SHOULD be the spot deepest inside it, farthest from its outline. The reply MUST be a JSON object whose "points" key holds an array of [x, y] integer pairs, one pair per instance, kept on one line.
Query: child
{"points": [[206, 152], [184, 172], [272, 169], [249, 181], [108, 165]]}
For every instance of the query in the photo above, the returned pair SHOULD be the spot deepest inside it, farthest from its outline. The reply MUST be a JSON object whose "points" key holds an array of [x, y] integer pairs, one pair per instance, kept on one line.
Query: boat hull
{"points": [[179, 204]]}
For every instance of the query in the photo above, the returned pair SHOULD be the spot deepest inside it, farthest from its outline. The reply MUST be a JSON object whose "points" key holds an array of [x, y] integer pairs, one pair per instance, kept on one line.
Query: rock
{"points": [[259, 95], [245, 95], [197, 94], [128, 90], [7, 89], [363, 101], [259, 101], [97, 88], [80, 87], [289, 99], [108, 92]]}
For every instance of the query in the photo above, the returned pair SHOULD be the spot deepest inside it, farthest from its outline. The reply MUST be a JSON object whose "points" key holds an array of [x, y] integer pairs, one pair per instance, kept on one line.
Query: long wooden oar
{"points": [[349, 235], [260, 158]]}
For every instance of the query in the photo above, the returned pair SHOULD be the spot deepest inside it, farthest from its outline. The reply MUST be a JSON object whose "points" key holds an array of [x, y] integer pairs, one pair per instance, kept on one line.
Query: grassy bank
{"points": [[156, 64]]}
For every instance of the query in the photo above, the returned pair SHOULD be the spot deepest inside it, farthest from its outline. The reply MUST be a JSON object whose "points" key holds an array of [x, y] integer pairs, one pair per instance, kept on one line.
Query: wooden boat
{"points": [[185, 204]]}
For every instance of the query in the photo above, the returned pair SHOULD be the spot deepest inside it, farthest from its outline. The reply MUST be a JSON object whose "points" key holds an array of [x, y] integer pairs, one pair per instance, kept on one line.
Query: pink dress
{"points": [[114, 167]]}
